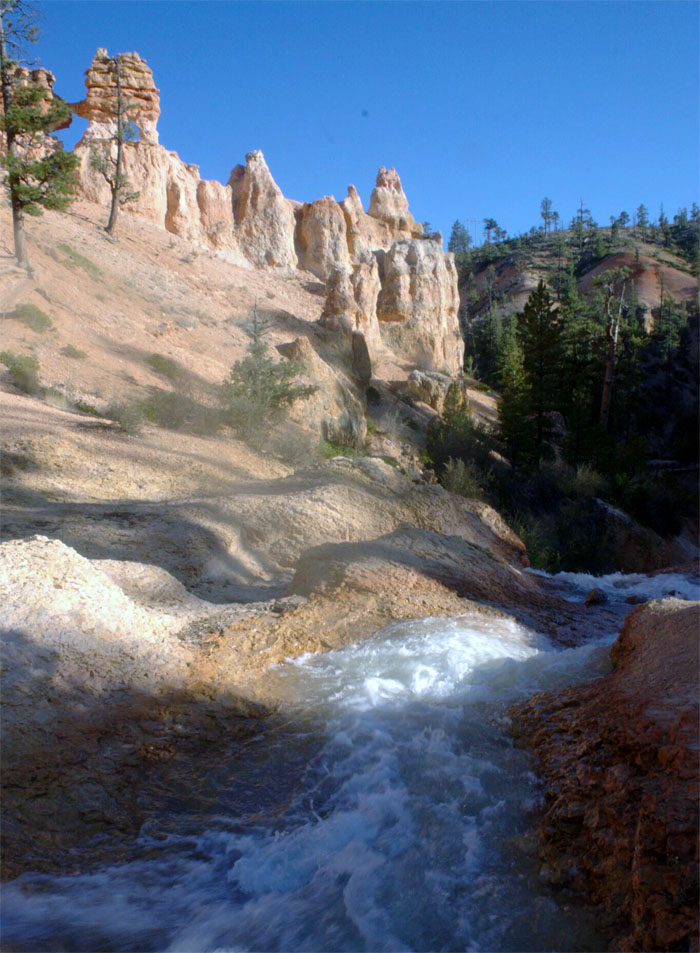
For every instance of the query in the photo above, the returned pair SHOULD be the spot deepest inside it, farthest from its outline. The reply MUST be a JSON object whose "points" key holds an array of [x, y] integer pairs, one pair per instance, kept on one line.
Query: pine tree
{"points": [[539, 335], [40, 174], [459, 242]]}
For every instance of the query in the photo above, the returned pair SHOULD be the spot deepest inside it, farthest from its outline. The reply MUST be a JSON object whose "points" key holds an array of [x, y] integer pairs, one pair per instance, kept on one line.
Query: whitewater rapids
{"points": [[406, 823]]}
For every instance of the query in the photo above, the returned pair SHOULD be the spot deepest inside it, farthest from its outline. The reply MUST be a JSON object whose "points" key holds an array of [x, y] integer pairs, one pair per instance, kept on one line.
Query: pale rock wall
{"points": [[418, 304], [389, 204], [351, 301], [264, 219], [321, 237]]}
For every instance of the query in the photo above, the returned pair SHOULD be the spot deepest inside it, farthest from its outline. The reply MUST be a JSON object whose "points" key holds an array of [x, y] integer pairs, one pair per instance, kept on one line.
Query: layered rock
{"points": [[620, 763], [139, 95], [418, 304], [264, 219]]}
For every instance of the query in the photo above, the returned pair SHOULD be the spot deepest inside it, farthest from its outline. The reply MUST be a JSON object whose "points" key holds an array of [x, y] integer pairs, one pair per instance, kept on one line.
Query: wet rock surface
{"points": [[619, 758]]}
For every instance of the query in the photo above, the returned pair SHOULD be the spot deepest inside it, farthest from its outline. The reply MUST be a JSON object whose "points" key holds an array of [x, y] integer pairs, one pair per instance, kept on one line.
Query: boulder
{"points": [[430, 387], [264, 219], [418, 303]]}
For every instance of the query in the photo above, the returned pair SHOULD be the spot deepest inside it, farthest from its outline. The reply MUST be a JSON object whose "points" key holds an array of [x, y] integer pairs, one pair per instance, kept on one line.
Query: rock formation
{"points": [[264, 219], [389, 204], [139, 93], [321, 237], [351, 300], [620, 762], [384, 281], [418, 304]]}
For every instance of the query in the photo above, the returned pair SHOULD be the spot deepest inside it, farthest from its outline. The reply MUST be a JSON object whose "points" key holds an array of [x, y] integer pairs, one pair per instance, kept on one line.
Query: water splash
{"points": [[407, 831]]}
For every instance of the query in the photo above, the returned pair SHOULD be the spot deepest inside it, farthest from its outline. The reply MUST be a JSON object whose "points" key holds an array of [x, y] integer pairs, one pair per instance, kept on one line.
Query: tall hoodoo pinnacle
{"points": [[138, 90]]}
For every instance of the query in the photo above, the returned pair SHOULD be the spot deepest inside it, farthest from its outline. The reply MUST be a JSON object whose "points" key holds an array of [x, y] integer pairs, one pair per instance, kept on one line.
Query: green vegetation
{"points": [[329, 450], [24, 371], [33, 317], [166, 367], [40, 173], [80, 261], [73, 352], [259, 388]]}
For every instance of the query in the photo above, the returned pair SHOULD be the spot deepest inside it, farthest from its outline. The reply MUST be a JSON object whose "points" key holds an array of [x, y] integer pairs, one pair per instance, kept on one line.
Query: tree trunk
{"points": [[117, 183], [20, 241]]}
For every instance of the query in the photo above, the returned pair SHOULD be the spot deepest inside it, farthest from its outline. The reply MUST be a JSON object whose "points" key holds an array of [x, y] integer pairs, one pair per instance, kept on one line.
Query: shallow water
{"points": [[403, 819]]}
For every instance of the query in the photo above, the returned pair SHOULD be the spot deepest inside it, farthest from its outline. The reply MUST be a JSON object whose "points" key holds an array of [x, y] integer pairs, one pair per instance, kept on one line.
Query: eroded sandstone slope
{"points": [[619, 758]]}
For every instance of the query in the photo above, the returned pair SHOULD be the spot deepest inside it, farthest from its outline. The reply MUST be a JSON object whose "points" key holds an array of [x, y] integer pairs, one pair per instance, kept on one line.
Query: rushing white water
{"points": [[619, 586], [404, 831]]}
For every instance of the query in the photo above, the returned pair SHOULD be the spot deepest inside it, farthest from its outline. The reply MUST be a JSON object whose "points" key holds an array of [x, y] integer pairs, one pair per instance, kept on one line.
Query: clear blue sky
{"points": [[482, 107]]}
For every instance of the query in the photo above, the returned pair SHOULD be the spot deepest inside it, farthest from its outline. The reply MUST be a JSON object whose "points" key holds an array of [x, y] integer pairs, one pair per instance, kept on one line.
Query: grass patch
{"points": [[330, 450], [167, 409], [69, 351], [33, 317], [80, 261], [24, 371]]}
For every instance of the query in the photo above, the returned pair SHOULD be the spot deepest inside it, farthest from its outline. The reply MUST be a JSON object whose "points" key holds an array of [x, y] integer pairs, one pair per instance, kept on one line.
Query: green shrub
{"points": [[86, 408], [69, 351], [80, 261], [129, 416], [330, 450], [165, 366], [258, 388], [33, 317], [463, 478], [24, 371]]}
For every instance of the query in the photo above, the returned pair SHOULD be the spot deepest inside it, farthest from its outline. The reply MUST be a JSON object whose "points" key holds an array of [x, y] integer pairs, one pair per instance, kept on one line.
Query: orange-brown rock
{"points": [[619, 757], [418, 304], [264, 219], [138, 91]]}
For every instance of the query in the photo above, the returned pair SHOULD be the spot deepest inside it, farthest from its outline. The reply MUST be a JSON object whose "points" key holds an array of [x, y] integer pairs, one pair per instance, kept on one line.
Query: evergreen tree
{"points": [[490, 225], [40, 174], [546, 213], [515, 423], [642, 218], [459, 242], [539, 335]]}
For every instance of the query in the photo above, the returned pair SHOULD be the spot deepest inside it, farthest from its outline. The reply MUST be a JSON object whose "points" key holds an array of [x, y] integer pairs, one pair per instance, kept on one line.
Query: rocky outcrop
{"points": [[619, 758], [140, 96], [389, 204], [321, 237], [633, 548], [379, 273], [264, 219], [418, 304], [351, 301]]}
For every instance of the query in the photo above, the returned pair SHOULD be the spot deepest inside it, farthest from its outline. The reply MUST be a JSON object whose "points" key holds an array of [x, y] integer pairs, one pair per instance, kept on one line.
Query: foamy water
{"points": [[618, 586], [404, 831]]}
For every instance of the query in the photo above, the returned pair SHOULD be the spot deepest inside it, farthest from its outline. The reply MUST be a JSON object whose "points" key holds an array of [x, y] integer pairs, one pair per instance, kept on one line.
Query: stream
{"points": [[403, 817]]}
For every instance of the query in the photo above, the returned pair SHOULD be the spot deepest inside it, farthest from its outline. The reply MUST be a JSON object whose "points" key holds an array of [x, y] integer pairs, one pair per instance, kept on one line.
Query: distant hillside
{"points": [[498, 278]]}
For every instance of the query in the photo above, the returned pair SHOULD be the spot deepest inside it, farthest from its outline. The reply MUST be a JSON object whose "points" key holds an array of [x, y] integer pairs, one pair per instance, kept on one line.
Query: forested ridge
{"points": [[590, 336]]}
